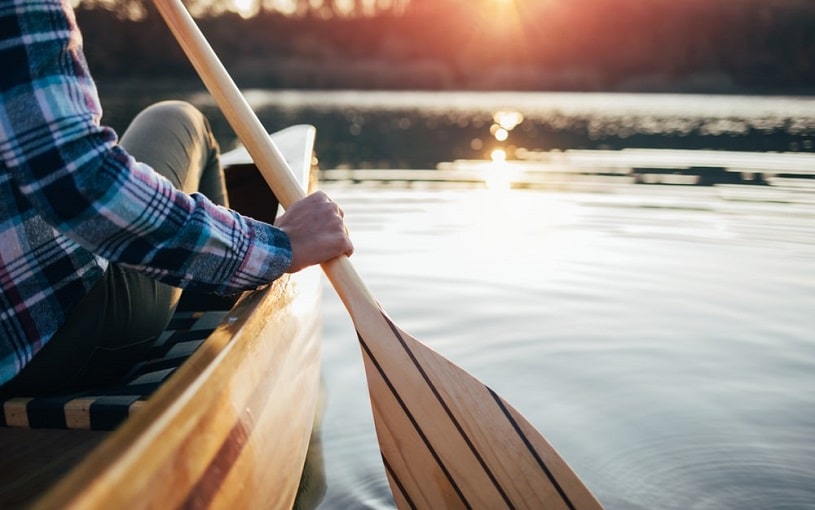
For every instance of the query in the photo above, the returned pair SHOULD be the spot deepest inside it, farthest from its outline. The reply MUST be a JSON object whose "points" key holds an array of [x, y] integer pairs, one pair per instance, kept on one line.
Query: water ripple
{"points": [[662, 341]]}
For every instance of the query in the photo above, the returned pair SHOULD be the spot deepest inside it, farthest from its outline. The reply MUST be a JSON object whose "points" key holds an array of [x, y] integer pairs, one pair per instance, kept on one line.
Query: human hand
{"points": [[316, 231]]}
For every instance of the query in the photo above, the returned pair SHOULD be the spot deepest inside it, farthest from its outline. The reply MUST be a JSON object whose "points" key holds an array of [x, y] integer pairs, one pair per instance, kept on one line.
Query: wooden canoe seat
{"points": [[105, 408]]}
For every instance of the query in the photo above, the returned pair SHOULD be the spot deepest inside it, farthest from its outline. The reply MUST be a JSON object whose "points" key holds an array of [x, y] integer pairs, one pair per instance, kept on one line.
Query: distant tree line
{"points": [[745, 46], [137, 9]]}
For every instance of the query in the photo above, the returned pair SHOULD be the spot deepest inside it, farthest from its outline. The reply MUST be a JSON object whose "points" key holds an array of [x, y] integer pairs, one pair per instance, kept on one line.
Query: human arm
{"points": [[73, 173]]}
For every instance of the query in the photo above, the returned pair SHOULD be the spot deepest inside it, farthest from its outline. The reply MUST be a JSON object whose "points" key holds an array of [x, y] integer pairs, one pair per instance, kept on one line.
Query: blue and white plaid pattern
{"points": [[71, 199]]}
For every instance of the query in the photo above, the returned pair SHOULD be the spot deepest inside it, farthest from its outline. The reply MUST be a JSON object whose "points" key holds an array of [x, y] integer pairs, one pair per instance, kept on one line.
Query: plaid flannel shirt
{"points": [[72, 201]]}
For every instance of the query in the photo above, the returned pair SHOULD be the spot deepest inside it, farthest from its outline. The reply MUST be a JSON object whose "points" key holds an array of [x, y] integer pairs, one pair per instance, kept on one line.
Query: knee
{"points": [[186, 122], [174, 111]]}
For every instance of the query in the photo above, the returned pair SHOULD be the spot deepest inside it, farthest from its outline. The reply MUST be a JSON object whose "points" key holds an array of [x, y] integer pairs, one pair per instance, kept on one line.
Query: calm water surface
{"points": [[660, 337]]}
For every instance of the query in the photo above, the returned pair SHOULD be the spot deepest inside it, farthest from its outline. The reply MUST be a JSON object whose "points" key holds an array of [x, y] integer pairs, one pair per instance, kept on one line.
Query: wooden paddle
{"points": [[447, 441]]}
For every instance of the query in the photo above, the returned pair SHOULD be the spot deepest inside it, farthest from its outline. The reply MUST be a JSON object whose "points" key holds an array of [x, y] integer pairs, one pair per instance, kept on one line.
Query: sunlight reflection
{"points": [[505, 121], [498, 176], [499, 133], [508, 119]]}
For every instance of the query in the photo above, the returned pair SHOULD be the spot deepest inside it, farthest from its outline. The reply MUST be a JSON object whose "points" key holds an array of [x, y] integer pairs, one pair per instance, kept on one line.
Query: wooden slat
{"points": [[15, 412]]}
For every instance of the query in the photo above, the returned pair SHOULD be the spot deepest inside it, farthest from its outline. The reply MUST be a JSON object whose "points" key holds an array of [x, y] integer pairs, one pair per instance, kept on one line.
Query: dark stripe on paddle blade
{"points": [[398, 482], [532, 450], [413, 421], [450, 414]]}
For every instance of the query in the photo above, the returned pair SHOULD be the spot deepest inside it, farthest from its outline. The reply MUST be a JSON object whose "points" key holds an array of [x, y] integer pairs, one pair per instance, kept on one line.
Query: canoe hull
{"points": [[217, 434], [229, 429]]}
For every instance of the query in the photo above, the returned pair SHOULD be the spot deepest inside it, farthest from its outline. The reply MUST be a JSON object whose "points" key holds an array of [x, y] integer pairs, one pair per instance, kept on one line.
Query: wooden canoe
{"points": [[230, 428]]}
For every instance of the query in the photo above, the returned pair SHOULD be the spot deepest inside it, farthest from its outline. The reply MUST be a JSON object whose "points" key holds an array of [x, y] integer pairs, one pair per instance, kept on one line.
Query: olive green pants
{"points": [[115, 325]]}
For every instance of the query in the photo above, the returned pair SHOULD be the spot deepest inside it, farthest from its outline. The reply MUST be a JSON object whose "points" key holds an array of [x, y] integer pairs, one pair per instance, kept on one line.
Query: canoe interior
{"points": [[34, 459], [249, 194], [229, 429]]}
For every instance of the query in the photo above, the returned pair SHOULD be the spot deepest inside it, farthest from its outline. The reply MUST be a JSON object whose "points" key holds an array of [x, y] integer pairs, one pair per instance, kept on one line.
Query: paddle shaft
{"points": [[343, 276], [445, 438]]}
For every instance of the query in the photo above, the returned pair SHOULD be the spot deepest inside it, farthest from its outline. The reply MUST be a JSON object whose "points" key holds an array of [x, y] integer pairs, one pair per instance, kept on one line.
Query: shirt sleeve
{"points": [[77, 177]]}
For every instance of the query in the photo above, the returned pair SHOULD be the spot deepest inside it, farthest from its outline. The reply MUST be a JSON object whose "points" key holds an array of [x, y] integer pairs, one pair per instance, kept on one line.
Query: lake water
{"points": [[660, 337]]}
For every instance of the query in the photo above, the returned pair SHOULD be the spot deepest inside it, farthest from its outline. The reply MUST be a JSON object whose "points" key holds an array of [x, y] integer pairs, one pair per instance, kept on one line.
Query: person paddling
{"points": [[99, 235]]}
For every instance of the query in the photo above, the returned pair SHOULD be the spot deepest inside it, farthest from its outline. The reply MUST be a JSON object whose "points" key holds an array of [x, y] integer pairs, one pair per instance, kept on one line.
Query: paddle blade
{"points": [[448, 441]]}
